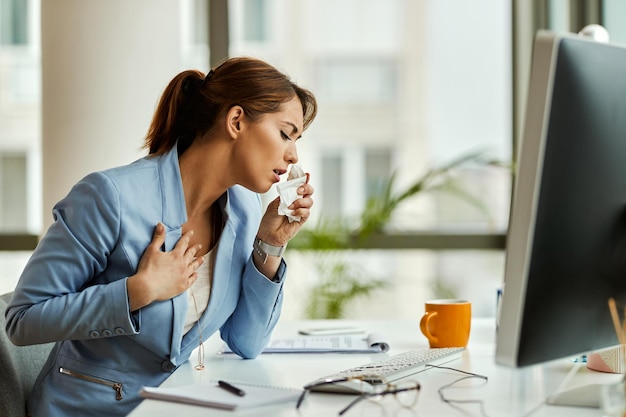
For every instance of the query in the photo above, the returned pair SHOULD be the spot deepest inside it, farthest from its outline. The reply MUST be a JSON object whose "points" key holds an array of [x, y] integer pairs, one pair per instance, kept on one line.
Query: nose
{"points": [[291, 155]]}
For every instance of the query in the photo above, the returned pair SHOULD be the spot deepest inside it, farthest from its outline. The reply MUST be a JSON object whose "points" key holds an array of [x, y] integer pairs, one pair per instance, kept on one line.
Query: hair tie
{"points": [[206, 79], [191, 84]]}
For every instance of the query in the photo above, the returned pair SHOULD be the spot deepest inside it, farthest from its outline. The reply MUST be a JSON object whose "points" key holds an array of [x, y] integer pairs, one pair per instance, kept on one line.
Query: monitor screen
{"points": [[566, 245]]}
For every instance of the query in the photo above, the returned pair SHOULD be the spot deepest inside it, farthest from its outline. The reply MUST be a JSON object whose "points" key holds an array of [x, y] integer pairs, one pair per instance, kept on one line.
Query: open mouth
{"points": [[278, 173]]}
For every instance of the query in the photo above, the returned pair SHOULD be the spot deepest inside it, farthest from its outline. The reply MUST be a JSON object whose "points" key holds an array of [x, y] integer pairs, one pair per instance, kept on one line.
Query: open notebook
{"points": [[210, 394]]}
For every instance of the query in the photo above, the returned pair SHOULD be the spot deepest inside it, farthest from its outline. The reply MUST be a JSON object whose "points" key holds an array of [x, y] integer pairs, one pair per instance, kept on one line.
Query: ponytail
{"points": [[177, 115]]}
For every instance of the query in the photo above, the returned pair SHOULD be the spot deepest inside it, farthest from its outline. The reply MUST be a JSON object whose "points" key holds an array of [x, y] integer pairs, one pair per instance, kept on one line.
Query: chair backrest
{"points": [[19, 367]]}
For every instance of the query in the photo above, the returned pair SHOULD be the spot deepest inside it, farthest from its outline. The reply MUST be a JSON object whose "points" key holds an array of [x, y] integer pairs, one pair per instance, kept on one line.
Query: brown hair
{"points": [[191, 103]]}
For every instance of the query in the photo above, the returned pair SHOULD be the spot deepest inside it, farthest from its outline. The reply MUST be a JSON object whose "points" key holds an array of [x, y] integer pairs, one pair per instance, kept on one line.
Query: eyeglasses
{"points": [[405, 392]]}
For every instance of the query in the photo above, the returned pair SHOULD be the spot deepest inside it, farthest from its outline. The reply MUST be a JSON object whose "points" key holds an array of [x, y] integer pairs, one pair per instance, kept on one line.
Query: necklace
{"points": [[216, 220], [200, 365]]}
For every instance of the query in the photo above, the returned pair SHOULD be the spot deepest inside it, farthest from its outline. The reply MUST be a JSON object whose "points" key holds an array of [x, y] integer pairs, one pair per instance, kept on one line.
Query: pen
{"points": [[231, 388], [301, 398]]}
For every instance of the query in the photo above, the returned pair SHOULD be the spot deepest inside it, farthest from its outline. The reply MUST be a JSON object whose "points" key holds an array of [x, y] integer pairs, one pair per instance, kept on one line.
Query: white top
{"points": [[201, 290]]}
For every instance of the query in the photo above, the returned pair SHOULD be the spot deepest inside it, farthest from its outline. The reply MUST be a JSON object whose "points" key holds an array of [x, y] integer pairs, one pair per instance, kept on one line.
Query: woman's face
{"points": [[265, 149]]}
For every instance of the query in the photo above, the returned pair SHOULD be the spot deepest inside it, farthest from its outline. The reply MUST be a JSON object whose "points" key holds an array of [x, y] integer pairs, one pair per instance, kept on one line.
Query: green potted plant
{"points": [[342, 282]]}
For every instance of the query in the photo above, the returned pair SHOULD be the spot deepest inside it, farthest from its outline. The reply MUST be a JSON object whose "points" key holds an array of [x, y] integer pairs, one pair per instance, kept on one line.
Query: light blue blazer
{"points": [[73, 290]]}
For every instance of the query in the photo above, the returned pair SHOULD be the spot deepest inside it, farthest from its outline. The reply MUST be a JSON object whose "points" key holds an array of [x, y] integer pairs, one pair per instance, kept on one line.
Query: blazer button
{"points": [[94, 334], [107, 333], [119, 331], [167, 366]]}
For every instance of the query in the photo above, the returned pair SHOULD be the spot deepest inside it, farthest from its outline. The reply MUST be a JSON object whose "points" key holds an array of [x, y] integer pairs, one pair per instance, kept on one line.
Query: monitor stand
{"points": [[583, 396], [582, 387]]}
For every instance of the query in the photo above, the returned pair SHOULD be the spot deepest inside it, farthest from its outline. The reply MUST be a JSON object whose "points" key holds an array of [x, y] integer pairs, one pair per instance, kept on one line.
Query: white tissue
{"points": [[288, 192], [296, 172]]}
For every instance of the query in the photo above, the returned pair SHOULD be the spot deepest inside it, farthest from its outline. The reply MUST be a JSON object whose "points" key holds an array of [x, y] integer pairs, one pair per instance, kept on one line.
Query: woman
{"points": [[123, 277]]}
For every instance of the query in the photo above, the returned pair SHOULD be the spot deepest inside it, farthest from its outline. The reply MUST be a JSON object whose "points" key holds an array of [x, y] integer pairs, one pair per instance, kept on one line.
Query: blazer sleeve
{"points": [[58, 295], [259, 300], [249, 328]]}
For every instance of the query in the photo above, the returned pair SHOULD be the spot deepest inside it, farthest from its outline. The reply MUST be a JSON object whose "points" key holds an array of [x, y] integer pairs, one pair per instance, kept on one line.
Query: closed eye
{"points": [[284, 135]]}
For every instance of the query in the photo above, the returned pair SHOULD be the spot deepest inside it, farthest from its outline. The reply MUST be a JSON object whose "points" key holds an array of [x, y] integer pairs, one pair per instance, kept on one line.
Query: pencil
{"points": [[616, 321], [624, 328]]}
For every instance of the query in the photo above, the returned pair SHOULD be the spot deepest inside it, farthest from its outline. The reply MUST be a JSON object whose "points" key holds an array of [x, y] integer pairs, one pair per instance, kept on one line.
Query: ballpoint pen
{"points": [[301, 398], [231, 388]]}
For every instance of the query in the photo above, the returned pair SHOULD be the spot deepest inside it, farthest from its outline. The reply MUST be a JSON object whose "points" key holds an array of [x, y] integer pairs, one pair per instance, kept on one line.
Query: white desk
{"points": [[507, 393]]}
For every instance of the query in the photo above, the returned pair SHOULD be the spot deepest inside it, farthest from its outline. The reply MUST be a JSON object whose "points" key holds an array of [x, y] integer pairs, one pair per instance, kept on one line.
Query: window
{"points": [[614, 13], [13, 192], [254, 18], [403, 86], [332, 188], [377, 170], [349, 177], [356, 81], [13, 22], [20, 93]]}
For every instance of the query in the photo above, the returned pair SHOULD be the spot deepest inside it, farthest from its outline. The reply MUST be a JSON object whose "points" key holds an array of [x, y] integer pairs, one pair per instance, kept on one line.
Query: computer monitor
{"points": [[566, 244]]}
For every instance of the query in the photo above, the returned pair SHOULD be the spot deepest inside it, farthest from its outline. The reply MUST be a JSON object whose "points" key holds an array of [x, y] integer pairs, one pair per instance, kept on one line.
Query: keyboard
{"points": [[387, 370]]}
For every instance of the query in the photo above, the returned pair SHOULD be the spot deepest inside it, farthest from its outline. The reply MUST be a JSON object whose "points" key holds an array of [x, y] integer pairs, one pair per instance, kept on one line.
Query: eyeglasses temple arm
{"points": [[356, 400]]}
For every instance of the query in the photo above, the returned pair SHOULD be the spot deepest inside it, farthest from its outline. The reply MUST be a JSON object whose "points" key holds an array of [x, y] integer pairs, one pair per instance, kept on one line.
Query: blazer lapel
{"points": [[174, 216]]}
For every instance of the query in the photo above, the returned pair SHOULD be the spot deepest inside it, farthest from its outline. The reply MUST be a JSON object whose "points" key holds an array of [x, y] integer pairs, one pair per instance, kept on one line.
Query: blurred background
{"points": [[421, 105]]}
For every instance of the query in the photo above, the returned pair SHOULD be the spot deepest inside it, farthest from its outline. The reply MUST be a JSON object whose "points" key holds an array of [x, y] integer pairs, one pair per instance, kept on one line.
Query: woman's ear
{"points": [[234, 121]]}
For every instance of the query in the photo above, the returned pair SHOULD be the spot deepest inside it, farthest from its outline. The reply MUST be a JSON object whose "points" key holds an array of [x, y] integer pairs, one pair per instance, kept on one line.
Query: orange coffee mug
{"points": [[446, 323]]}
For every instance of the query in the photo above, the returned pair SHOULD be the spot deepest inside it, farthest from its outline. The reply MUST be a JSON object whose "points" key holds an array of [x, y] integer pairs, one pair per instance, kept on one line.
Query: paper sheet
{"points": [[372, 343]]}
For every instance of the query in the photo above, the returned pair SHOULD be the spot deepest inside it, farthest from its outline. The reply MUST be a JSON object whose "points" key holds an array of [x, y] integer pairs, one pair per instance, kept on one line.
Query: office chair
{"points": [[19, 367]]}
